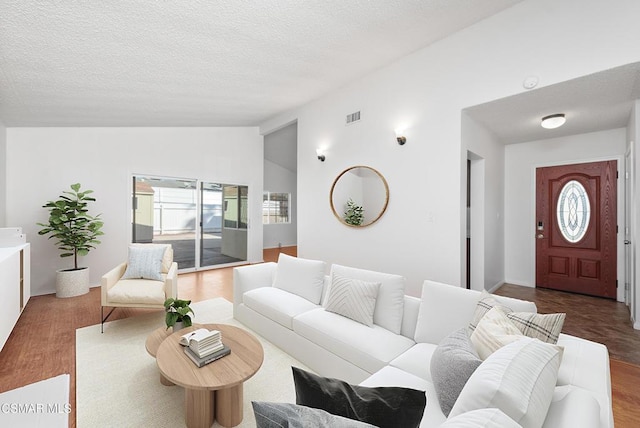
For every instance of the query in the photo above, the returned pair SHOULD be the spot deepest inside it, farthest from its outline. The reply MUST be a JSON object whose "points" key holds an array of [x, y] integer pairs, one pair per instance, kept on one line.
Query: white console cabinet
{"points": [[15, 286]]}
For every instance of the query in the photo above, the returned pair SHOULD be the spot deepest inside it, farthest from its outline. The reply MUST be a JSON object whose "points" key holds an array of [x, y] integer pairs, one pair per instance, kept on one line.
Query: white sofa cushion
{"points": [[277, 305], [416, 360], [144, 291], [518, 379], [445, 308], [369, 348], [300, 276], [393, 376], [481, 418], [573, 407], [507, 304], [390, 302], [493, 332], [353, 298]]}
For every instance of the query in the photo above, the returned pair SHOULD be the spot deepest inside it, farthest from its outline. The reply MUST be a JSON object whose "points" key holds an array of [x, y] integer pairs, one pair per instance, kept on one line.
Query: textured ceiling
{"points": [[590, 103], [202, 62]]}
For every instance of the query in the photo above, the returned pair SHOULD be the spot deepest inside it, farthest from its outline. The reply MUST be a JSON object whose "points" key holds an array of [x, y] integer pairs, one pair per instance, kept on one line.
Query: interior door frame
{"points": [[620, 266]]}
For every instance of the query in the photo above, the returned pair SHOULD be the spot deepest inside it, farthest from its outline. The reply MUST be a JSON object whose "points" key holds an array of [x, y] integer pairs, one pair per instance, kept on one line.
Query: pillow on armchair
{"points": [[145, 262]]}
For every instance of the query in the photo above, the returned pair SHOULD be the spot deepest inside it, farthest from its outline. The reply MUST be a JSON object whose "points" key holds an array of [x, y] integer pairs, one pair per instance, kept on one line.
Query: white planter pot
{"points": [[71, 283]]}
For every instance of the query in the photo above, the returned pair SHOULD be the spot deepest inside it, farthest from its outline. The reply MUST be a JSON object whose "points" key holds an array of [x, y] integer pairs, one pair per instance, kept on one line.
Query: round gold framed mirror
{"points": [[359, 196]]}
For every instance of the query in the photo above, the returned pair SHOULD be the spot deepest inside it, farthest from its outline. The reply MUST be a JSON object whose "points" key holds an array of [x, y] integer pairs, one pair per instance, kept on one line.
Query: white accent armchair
{"points": [[139, 292]]}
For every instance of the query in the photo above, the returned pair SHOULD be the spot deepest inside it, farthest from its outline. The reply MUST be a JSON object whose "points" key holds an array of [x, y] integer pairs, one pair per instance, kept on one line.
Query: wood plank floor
{"points": [[42, 344]]}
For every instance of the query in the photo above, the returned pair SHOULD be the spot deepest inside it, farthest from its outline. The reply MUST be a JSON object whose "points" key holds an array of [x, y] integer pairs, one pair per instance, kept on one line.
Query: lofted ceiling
{"points": [[595, 102], [202, 62]]}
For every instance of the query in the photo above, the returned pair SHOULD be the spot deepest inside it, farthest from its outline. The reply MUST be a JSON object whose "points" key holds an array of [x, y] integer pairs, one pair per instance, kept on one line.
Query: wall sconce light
{"points": [[320, 154], [400, 138], [553, 121]]}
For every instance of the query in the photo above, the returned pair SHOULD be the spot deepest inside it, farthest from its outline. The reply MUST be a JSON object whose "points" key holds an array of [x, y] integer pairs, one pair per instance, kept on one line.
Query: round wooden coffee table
{"points": [[212, 392]]}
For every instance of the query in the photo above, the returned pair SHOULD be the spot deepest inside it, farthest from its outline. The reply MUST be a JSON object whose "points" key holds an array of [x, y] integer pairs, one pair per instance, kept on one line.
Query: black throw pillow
{"points": [[384, 407]]}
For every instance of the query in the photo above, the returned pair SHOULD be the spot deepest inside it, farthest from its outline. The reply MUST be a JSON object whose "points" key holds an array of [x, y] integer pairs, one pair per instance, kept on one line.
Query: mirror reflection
{"points": [[359, 196]]}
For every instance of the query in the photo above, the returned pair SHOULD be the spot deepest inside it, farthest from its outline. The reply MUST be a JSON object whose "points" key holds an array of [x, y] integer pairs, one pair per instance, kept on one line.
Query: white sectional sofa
{"points": [[396, 350]]}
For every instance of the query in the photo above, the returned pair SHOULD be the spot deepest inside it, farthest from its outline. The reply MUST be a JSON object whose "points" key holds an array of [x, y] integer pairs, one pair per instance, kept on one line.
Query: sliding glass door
{"points": [[206, 228]]}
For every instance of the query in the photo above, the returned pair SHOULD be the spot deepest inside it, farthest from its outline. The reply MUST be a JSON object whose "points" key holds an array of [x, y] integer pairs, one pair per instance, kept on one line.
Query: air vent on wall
{"points": [[353, 117]]}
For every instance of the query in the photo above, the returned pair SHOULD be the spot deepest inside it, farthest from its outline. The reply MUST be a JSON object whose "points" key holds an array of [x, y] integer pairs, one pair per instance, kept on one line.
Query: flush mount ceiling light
{"points": [[553, 121]]}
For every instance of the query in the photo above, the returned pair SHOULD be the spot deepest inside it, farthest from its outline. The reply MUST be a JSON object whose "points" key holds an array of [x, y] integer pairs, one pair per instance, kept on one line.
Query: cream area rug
{"points": [[118, 383]]}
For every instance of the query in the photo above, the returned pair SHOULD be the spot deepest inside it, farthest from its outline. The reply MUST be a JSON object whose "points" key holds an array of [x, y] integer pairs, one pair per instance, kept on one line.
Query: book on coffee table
{"points": [[209, 358]]}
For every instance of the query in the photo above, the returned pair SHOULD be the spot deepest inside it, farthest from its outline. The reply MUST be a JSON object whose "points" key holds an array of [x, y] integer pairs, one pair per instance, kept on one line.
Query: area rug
{"points": [[118, 383], [43, 404]]}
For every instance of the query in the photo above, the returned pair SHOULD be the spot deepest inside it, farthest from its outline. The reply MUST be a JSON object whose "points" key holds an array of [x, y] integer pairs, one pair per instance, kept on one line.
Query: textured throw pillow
{"points": [[302, 277], [546, 327], [353, 298], [384, 407], [481, 418], [493, 332], [485, 304], [285, 415], [452, 363], [144, 262], [167, 257], [519, 379], [390, 302]]}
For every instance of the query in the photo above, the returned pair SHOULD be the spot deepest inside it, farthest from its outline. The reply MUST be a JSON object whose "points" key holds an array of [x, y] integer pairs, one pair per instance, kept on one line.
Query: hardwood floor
{"points": [[42, 344]]}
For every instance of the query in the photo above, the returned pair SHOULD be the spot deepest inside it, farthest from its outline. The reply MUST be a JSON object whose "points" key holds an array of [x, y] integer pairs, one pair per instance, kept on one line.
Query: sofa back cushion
{"points": [[302, 277], [445, 308], [390, 302]]}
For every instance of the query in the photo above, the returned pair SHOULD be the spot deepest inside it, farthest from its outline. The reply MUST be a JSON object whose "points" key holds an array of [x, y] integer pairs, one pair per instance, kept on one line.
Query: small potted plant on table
{"points": [[177, 313]]}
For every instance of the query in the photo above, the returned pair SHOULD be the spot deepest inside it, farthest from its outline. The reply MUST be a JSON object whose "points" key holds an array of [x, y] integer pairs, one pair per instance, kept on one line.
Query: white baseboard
{"points": [[496, 286], [636, 325]]}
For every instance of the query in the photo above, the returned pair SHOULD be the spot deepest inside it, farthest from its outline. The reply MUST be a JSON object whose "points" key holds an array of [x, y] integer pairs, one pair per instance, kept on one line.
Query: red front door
{"points": [[576, 228]]}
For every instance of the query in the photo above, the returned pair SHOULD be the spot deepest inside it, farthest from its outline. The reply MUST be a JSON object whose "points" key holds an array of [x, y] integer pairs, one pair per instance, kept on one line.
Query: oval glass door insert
{"points": [[574, 211]]}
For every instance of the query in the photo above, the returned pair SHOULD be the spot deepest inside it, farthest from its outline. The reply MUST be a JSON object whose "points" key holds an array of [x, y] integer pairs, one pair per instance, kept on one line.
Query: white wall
{"points": [[521, 161], [42, 162], [490, 249], [633, 139], [422, 233], [3, 175], [281, 180]]}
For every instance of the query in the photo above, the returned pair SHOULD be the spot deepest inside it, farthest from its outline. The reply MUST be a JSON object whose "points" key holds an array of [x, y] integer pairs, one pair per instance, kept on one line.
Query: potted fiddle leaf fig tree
{"points": [[75, 232], [178, 313]]}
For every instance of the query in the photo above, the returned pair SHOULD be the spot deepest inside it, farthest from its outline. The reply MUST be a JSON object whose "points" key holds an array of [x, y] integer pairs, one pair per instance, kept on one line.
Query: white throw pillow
{"points": [[167, 257], [353, 298], [493, 332], [481, 418], [390, 303], [144, 262], [302, 277], [519, 379]]}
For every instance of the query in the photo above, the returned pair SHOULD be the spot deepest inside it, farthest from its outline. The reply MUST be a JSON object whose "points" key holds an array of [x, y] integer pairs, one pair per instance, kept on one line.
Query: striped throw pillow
{"points": [[546, 327], [353, 298]]}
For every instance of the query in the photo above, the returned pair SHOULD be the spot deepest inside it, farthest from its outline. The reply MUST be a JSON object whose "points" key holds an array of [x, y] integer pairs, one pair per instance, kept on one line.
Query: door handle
{"points": [[627, 242], [540, 236]]}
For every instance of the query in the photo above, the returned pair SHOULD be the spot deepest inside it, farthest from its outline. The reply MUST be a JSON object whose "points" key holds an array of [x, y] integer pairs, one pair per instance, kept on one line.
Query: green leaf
{"points": [[75, 187]]}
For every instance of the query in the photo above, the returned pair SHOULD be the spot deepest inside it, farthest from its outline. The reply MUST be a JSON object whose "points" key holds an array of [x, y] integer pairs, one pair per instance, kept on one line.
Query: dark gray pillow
{"points": [[285, 415], [452, 363], [384, 407]]}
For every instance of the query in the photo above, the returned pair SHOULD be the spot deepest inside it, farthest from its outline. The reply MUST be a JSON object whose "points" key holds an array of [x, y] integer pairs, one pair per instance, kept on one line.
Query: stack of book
{"points": [[203, 346]]}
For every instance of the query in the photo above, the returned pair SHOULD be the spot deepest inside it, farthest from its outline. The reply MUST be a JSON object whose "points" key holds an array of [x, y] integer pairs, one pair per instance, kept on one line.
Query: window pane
{"points": [[574, 211], [275, 208]]}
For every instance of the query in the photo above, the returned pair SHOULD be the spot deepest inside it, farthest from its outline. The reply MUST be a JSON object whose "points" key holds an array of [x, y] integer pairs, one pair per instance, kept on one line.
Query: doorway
{"points": [[205, 223], [576, 228]]}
